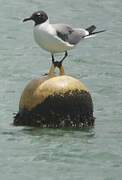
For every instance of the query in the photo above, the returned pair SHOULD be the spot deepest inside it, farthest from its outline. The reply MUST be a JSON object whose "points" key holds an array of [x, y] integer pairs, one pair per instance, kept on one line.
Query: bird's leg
{"points": [[59, 63], [53, 60], [55, 63], [65, 55]]}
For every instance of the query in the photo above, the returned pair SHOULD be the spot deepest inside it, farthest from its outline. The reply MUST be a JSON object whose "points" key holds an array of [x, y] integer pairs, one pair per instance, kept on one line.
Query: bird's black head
{"points": [[38, 17]]}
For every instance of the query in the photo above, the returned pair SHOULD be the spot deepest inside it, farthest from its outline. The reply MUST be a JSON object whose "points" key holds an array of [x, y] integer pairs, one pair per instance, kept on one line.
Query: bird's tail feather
{"points": [[91, 29]]}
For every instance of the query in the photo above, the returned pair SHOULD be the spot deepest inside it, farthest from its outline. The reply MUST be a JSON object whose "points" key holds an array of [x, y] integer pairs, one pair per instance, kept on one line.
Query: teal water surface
{"points": [[50, 154]]}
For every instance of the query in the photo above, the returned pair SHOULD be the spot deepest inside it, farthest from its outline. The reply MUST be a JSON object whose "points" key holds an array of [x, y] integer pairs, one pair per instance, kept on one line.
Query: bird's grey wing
{"points": [[68, 34], [77, 35]]}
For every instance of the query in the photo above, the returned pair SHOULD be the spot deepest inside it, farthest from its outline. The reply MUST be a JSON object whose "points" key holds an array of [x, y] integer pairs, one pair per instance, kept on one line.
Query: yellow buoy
{"points": [[55, 101]]}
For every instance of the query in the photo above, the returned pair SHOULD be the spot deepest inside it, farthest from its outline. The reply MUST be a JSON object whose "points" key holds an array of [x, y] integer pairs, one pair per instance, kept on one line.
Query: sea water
{"points": [[53, 154]]}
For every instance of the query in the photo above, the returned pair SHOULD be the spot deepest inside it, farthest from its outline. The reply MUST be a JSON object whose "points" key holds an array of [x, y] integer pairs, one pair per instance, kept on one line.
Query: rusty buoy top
{"points": [[55, 101]]}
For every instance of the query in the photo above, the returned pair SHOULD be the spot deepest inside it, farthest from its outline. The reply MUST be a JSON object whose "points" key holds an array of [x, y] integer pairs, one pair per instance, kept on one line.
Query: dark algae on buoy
{"points": [[55, 101]]}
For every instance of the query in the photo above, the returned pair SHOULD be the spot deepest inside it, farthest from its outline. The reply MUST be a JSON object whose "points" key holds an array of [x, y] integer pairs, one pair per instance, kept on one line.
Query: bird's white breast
{"points": [[46, 37]]}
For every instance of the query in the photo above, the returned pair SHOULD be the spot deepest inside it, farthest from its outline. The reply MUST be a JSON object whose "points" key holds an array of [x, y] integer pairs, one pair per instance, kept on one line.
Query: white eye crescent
{"points": [[38, 14]]}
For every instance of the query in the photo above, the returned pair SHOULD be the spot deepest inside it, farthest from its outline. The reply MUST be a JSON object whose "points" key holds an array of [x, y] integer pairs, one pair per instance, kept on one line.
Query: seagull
{"points": [[57, 38]]}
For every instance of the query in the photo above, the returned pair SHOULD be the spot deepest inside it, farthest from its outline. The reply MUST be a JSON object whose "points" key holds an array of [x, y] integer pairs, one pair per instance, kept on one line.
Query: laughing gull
{"points": [[57, 38]]}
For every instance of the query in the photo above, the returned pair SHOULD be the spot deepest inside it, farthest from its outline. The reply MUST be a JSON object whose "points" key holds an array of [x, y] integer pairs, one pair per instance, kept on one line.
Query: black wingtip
{"points": [[98, 31]]}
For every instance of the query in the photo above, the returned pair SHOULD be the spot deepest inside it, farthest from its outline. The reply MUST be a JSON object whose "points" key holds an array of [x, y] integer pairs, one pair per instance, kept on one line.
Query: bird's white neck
{"points": [[45, 24], [46, 27]]}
